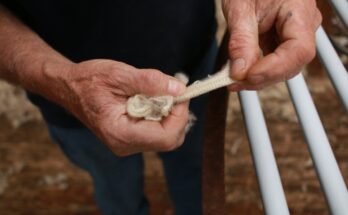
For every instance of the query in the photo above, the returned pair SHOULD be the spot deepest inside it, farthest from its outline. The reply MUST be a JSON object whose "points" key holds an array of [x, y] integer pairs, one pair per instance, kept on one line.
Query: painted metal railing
{"points": [[272, 192], [341, 7], [327, 169], [333, 65]]}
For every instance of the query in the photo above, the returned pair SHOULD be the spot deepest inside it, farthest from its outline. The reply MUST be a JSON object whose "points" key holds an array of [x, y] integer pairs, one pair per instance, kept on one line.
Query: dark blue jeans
{"points": [[119, 182]]}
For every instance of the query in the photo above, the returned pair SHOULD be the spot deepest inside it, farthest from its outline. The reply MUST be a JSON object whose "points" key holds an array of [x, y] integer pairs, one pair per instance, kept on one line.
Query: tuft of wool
{"points": [[155, 108]]}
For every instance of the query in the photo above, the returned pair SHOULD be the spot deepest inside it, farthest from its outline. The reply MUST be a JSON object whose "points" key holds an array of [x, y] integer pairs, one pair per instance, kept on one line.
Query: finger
{"points": [[296, 50], [144, 135], [318, 19], [284, 63], [243, 44], [176, 122], [152, 82]]}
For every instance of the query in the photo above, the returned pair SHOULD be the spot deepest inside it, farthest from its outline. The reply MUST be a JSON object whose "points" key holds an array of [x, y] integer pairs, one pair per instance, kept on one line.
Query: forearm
{"points": [[25, 59]]}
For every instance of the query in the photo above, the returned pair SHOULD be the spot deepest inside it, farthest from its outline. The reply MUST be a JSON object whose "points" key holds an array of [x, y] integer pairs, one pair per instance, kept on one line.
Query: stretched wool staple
{"points": [[155, 108]]}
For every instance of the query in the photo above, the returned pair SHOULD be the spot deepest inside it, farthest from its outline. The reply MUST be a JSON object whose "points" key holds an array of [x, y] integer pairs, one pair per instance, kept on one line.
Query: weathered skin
{"points": [[283, 29]]}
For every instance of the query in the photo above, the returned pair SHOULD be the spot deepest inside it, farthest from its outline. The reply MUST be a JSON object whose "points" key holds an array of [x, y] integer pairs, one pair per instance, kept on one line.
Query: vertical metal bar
{"points": [[334, 67], [325, 164], [341, 7], [272, 192]]}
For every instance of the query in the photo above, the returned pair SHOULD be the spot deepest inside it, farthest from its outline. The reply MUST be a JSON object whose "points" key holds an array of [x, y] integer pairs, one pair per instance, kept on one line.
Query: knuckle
{"points": [[239, 42], [151, 76], [152, 81], [167, 146], [118, 66], [319, 18], [170, 143], [306, 53], [114, 67]]}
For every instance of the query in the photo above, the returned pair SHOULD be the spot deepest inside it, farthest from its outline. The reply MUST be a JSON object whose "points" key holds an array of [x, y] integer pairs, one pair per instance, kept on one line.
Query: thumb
{"points": [[243, 45], [152, 82]]}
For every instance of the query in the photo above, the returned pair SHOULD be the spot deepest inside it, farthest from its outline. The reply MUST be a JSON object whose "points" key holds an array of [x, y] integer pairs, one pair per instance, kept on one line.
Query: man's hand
{"points": [[96, 92], [284, 30]]}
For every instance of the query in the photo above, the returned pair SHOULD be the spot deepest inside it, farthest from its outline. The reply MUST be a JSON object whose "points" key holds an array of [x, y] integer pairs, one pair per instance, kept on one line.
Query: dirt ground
{"points": [[36, 178]]}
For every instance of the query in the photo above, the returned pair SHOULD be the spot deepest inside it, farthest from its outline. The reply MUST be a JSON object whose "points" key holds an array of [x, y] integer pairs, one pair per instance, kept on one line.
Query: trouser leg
{"points": [[183, 167], [118, 182]]}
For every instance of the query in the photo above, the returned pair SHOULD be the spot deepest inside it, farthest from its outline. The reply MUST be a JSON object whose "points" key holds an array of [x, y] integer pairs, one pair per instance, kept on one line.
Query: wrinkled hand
{"points": [[283, 29], [97, 92]]}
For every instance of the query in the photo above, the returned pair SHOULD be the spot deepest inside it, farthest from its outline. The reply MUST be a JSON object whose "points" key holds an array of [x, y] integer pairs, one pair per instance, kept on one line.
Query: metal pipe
{"points": [[341, 7], [334, 67], [324, 160], [270, 185]]}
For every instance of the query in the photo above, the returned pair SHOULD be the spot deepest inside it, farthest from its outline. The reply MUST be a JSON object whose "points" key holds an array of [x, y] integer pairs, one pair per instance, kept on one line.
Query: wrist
{"points": [[43, 75], [53, 80]]}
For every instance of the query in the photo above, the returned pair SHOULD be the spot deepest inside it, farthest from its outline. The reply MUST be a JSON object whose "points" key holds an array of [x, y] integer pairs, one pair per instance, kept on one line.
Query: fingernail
{"points": [[256, 79], [175, 87], [238, 66]]}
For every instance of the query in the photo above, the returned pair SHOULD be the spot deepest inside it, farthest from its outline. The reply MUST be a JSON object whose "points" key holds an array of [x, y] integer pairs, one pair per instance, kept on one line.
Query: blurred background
{"points": [[36, 178]]}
